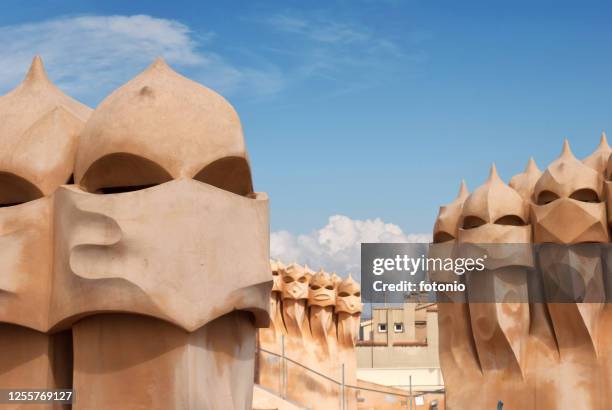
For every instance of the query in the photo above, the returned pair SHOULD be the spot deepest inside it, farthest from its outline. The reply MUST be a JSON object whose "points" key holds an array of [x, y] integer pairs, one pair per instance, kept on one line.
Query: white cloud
{"points": [[88, 56], [336, 246]]}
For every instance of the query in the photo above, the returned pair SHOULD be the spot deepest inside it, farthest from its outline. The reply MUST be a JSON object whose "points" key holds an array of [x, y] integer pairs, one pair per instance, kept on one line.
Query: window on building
{"points": [[382, 328], [398, 327]]}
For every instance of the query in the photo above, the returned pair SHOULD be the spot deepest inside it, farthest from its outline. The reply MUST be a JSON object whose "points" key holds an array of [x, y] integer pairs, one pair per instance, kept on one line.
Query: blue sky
{"points": [[366, 109]]}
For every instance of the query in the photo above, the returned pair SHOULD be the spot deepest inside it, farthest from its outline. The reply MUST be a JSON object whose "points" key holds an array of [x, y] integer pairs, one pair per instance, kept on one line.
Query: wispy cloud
{"points": [[347, 54], [320, 30], [336, 246], [90, 55]]}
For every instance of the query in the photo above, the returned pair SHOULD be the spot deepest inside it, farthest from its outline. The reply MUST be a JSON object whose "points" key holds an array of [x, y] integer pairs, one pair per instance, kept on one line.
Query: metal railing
{"points": [[341, 384]]}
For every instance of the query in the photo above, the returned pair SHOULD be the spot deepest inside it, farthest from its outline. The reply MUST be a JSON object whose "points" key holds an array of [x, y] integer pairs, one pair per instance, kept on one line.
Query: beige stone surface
{"points": [[34, 360], [39, 127], [33, 117], [457, 347], [177, 235], [598, 160], [264, 399], [161, 126], [26, 258], [494, 213], [133, 362], [115, 250], [322, 322], [569, 191], [524, 182], [269, 367], [577, 215]]}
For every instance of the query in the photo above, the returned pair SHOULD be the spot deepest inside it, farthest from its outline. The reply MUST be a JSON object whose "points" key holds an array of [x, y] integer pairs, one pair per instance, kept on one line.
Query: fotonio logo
{"points": [[411, 265]]}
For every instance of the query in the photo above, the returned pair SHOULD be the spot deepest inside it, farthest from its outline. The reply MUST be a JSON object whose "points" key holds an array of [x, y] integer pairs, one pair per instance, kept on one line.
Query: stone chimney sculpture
{"points": [[155, 259], [524, 182], [321, 302], [268, 372], [571, 191], [39, 128], [495, 214], [457, 348], [348, 308], [550, 353], [598, 160], [164, 172], [294, 291]]}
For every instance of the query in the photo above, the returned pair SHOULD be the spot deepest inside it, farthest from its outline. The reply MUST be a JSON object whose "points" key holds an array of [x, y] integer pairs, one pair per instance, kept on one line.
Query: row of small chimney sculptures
{"points": [[315, 322]]}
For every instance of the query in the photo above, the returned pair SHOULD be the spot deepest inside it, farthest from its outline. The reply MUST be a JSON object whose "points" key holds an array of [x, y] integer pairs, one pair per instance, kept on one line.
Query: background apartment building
{"points": [[398, 346]]}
